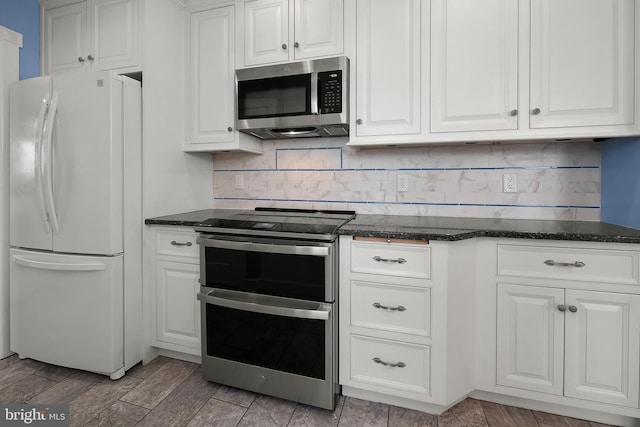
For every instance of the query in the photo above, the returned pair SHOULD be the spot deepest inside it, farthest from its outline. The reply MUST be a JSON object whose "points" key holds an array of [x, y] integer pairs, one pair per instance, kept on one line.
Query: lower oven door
{"points": [[271, 345]]}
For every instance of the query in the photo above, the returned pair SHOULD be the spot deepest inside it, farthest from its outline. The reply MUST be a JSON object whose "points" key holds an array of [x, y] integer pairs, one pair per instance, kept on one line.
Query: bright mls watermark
{"points": [[34, 415]]}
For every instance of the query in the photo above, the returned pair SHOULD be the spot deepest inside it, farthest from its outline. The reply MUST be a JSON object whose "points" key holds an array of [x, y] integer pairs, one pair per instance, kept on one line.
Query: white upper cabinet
{"points": [[91, 35], [318, 28], [266, 36], [582, 63], [65, 38], [290, 30], [210, 116], [495, 70], [474, 65], [387, 76]]}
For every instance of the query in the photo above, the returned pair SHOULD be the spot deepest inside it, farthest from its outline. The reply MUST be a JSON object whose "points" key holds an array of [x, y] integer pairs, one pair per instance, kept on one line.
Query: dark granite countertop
{"points": [[446, 228]]}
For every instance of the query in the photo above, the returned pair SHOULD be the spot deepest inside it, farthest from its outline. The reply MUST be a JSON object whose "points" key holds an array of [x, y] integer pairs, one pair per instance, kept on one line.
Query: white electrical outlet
{"points": [[403, 183], [509, 183], [239, 182]]}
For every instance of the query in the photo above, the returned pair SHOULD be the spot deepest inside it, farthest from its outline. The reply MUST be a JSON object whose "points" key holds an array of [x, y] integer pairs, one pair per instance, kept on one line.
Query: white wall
{"points": [[556, 180], [174, 181]]}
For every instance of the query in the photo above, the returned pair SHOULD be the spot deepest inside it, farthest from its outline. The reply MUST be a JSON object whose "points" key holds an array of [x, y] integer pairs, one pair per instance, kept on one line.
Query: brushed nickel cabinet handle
{"points": [[513, 112], [390, 365], [80, 59], [380, 259], [552, 263], [384, 307], [535, 111], [90, 57], [573, 308], [562, 307], [174, 243], [284, 46]]}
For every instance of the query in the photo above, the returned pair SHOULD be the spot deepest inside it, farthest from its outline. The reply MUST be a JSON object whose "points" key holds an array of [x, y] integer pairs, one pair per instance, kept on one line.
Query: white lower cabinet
{"points": [[580, 344], [400, 367], [398, 343], [174, 284], [178, 311], [559, 322]]}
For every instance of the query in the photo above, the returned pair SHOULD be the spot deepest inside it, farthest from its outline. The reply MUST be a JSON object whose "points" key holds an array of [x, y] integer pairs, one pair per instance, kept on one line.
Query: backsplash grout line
{"points": [[341, 169], [407, 203]]}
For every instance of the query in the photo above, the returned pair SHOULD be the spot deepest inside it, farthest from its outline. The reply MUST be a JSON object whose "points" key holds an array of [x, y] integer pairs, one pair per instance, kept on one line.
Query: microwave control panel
{"points": [[330, 92]]}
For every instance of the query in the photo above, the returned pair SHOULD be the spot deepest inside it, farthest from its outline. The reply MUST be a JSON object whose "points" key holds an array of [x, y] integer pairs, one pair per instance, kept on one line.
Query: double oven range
{"points": [[269, 285]]}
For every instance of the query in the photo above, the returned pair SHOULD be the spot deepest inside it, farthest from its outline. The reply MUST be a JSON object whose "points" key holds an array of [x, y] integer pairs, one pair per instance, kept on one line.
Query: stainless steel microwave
{"points": [[300, 99]]}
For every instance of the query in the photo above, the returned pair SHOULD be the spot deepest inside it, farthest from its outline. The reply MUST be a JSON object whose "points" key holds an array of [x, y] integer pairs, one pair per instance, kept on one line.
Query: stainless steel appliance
{"points": [[301, 99], [269, 302]]}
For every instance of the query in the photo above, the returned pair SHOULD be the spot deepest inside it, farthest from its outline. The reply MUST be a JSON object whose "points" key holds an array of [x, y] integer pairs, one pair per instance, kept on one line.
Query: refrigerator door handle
{"points": [[38, 164], [48, 164], [26, 262]]}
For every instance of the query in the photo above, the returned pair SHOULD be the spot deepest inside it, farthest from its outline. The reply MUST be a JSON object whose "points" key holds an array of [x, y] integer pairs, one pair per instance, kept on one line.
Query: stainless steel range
{"points": [[269, 281]]}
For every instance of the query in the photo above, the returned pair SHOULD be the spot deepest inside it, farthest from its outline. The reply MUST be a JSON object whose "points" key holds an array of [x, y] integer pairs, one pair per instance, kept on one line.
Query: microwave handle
{"points": [[314, 93]]}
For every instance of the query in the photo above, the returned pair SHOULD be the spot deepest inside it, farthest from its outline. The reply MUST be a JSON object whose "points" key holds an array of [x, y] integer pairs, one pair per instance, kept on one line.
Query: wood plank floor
{"points": [[170, 392]]}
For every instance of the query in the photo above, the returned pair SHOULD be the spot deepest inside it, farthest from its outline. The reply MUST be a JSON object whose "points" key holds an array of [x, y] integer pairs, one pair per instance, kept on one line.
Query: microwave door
{"points": [[275, 97]]}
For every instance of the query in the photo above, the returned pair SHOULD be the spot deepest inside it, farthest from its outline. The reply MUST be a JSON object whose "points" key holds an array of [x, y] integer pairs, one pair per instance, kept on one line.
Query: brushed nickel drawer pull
{"points": [[390, 365], [565, 264], [384, 307], [174, 243], [380, 259]]}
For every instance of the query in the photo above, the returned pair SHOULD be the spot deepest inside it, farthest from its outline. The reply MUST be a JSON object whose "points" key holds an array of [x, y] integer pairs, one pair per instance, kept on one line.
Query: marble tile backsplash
{"points": [[556, 180]]}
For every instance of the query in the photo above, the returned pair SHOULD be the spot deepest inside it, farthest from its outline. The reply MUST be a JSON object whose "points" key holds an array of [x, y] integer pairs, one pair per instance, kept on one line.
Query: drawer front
{"points": [[393, 308], [368, 358], [406, 260], [591, 265], [178, 243]]}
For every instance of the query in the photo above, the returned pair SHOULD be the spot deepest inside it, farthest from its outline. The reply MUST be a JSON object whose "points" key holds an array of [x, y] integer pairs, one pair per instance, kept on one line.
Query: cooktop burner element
{"points": [[290, 223]]}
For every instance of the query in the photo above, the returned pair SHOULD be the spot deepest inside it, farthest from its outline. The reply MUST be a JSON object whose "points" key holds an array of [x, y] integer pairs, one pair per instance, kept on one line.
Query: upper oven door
{"points": [[286, 268]]}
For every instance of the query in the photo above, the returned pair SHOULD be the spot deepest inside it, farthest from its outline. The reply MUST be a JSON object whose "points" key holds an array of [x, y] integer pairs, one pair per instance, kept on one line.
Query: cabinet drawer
{"points": [[394, 308], [406, 260], [368, 358], [178, 243], [592, 265]]}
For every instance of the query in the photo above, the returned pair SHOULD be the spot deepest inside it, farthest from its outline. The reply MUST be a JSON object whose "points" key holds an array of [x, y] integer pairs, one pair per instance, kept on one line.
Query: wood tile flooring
{"points": [[170, 392]]}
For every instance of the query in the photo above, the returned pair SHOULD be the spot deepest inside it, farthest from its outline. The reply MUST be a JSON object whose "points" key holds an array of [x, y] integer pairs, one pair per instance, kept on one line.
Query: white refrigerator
{"points": [[10, 42], [75, 214]]}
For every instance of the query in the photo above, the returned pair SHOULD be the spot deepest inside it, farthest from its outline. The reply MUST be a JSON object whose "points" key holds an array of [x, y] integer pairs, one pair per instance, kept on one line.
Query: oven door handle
{"points": [[265, 247], [258, 304]]}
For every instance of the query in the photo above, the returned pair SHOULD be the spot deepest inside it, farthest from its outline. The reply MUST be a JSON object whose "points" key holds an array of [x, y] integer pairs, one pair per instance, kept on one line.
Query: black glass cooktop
{"points": [[275, 221]]}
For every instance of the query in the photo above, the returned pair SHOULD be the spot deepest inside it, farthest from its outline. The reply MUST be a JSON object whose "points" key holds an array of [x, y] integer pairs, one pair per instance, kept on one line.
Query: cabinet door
{"points": [[65, 36], [474, 65], [530, 338], [318, 28], [177, 309], [266, 24], [211, 94], [582, 69], [602, 347], [388, 67], [114, 27]]}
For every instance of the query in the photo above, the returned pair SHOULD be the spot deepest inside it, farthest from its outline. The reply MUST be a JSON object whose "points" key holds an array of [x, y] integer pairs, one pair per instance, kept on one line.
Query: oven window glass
{"points": [[284, 275], [274, 97], [281, 343]]}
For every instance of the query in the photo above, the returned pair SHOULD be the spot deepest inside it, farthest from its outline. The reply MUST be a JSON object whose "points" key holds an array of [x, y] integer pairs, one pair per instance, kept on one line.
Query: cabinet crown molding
{"points": [[7, 35]]}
